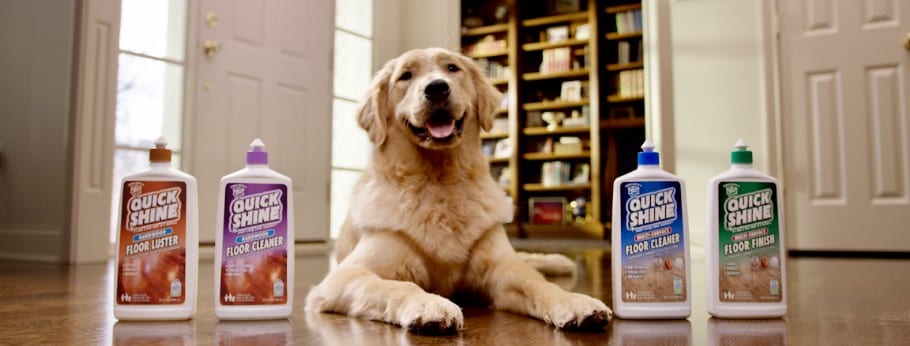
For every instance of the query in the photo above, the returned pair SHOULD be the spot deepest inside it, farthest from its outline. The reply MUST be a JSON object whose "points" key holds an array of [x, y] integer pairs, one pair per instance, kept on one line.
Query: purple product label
{"points": [[254, 256]]}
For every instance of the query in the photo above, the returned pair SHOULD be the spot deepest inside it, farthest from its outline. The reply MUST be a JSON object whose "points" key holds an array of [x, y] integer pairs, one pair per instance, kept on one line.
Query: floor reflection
{"points": [[656, 332], [154, 333], [747, 332], [272, 332]]}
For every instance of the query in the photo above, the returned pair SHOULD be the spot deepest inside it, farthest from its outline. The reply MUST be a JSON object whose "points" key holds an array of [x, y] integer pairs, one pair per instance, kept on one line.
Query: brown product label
{"points": [[152, 250]]}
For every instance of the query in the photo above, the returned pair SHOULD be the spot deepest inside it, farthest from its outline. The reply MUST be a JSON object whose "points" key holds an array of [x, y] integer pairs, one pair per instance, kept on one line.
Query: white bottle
{"points": [[651, 278], [746, 264], [254, 242], [157, 242]]}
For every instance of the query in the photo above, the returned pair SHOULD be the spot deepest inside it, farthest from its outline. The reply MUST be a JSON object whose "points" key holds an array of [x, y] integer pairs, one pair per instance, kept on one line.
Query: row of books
{"points": [[493, 69], [555, 173], [556, 60], [624, 53], [628, 21], [632, 83]]}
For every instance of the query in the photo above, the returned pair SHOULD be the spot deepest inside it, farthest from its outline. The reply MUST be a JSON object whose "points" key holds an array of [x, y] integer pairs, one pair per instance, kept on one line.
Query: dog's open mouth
{"points": [[440, 127]]}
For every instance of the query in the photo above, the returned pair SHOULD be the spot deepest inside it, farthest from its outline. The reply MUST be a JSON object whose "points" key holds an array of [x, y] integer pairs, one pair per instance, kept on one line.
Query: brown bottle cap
{"points": [[160, 153]]}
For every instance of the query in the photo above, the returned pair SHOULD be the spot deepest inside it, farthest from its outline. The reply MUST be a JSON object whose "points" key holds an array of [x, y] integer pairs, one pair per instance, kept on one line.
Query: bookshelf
{"points": [[574, 115]]}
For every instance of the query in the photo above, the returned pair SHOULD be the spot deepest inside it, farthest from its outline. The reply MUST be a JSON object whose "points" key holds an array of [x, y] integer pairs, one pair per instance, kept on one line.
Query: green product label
{"points": [[749, 243]]}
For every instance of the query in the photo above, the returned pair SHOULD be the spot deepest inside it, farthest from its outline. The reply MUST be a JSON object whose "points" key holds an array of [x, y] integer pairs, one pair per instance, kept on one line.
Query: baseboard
{"points": [[850, 254], [33, 243]]}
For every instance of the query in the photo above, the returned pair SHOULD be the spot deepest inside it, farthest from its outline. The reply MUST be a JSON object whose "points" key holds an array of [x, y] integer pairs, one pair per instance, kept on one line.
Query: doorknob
{"points": [[211, 48]]}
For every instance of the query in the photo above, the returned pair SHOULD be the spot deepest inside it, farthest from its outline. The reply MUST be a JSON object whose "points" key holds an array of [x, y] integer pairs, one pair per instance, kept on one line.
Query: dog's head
{"points": [[432, 97]]}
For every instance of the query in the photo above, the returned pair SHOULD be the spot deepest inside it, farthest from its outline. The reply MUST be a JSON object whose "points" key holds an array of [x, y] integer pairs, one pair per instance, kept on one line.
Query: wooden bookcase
{"points": [[561, 63]]}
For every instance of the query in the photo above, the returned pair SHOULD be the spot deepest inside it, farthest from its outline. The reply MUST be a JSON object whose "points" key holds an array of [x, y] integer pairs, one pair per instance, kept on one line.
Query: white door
{"points": [[845, 125], [271, 78]]}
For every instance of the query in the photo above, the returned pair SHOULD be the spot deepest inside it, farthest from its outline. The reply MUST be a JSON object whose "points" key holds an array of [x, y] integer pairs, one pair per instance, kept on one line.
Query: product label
{"points": [[254, 266], [653, 245], [152, 249], [749, 243]]}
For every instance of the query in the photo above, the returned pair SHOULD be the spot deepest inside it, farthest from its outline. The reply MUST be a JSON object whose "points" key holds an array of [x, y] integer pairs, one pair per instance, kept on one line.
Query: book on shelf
{"points": [[558, 173], [628, 21], [493, 69], [486, 45], [624, 53], [556, 60], [632, 83]]}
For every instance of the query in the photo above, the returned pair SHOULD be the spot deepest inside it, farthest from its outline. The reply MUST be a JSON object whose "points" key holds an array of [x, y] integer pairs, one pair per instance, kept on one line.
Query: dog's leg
{"points": [[355, 289], [514, 286]]}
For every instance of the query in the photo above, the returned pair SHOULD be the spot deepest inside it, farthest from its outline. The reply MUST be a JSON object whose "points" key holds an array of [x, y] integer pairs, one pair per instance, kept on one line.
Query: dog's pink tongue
{"points": [[443, 130]]}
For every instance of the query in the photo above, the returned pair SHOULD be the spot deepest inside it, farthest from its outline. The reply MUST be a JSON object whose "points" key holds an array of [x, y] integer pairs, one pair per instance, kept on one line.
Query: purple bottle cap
{"points": [[257, 154]]}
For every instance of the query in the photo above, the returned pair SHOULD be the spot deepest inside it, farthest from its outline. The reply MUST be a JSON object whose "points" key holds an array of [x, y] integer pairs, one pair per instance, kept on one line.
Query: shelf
{"points": [[621, 99], [564, 187], [623, 67], [623, 8], [542, 106], [499, 81], [583, 72], [486, 30], [623, 123], [543, 131], [498, 159], [559, 18], [553, 157], [530, 47], [592, 230], [494, 53], [617, 36], [497, 135]]}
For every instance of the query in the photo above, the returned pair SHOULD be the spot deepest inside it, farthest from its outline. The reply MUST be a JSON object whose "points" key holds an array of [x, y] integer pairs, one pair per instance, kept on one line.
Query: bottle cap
{"points": [[648, 156], [741, 155], [160, 153], [257, 154]]}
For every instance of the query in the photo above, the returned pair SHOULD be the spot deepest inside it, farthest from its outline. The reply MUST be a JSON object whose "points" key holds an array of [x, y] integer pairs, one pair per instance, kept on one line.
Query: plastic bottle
{"points": [[746, 267], [157, 242], [254, 242], [651, 278]]}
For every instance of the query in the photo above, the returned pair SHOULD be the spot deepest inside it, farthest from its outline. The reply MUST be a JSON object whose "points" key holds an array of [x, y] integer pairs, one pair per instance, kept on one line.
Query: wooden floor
{"points": [[832, 302]]}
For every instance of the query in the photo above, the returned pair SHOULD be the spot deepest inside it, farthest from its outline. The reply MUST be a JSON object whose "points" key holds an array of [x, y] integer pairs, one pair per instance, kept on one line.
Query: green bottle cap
{"points": [[741, 155]]}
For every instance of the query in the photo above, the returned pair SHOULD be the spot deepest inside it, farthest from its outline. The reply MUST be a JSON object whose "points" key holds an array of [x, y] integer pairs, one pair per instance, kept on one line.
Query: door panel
{"points": [[270, 79], [845, 128]]}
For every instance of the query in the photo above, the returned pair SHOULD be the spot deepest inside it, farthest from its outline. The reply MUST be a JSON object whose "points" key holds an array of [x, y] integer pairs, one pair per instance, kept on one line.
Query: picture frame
{"points": [[547, 210], [503, 148], [570, 91], [557, 33]]}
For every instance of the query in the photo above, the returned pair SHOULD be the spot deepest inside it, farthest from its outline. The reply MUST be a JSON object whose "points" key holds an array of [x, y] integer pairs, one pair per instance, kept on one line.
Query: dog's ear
{"points": [[372, 113], [488, 98]]}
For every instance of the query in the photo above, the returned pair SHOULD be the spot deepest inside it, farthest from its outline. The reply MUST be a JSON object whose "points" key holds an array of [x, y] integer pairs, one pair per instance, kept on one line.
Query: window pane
{"points": [[156, 28], [353, 60], [350, 144], [355, 16], [149, 102], [342, 186]]}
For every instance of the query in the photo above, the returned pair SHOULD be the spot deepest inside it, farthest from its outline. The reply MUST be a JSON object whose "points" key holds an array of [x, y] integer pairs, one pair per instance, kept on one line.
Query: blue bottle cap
{"points": [[648, 156]]}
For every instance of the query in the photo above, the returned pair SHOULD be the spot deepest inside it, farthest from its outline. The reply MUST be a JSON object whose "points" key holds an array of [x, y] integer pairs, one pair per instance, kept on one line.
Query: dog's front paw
{"points": [[431, 314], [580, 313]]}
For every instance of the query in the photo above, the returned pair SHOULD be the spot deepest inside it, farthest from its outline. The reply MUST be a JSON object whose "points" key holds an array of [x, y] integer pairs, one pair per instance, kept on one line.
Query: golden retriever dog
{"points": [[426, 217]]}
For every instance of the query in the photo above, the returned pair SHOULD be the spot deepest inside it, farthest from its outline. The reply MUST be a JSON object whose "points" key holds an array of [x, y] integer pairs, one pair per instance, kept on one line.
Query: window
{"points": [[149, 84], [353, 69]]}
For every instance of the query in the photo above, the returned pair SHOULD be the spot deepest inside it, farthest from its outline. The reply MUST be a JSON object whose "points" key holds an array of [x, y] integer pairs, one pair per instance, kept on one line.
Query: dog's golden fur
{"points": [[426, 218]]}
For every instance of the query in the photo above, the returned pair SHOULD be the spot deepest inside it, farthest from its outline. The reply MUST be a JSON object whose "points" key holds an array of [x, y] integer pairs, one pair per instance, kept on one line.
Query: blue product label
{"points": [[653, 252]]}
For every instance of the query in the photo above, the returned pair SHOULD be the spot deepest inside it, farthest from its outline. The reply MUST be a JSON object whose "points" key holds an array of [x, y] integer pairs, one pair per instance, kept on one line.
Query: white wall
{"points": [[35, 75], [402, 25], [722, 92]]}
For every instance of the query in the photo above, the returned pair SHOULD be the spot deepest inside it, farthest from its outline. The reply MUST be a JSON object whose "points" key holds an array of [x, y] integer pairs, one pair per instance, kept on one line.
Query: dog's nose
{"points": [[438, 90]]}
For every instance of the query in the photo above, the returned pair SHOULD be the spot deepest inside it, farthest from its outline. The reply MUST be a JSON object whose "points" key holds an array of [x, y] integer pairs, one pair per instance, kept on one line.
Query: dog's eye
{"points": [[405, 76], [453, 68]]}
